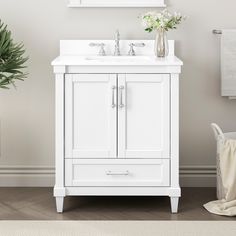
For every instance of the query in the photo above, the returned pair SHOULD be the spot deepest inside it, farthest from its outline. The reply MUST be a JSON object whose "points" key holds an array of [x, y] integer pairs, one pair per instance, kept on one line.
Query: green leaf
{"points": [[12, 59]]}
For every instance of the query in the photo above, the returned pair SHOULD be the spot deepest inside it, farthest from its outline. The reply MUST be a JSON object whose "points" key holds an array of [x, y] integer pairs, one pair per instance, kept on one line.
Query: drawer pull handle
{"points": [[109, 172], [121, 96], [113, 105]]}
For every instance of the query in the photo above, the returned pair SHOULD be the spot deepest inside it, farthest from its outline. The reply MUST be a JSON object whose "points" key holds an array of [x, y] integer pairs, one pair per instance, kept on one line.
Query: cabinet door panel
{"points": [[90, 118], [145, 118]]}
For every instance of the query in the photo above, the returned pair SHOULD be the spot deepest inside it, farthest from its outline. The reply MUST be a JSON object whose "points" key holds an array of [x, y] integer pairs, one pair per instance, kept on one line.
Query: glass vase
{"points": [[161, 44]]}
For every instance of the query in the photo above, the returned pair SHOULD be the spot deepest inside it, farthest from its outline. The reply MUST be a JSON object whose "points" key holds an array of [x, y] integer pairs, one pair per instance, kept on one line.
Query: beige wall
{"points": [[27, 114]]}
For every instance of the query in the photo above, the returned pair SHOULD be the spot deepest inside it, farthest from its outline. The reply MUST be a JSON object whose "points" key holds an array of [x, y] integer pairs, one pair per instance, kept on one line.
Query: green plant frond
{"points": [[12, 59]]}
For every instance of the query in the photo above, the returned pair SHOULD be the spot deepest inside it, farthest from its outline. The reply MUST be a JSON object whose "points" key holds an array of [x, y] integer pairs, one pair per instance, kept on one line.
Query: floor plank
{"points": [[39, 204]]}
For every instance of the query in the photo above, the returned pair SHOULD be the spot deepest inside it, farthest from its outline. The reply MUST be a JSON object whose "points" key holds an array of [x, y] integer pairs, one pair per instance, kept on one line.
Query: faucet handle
{"points": [[132, 45], [101, 45]]}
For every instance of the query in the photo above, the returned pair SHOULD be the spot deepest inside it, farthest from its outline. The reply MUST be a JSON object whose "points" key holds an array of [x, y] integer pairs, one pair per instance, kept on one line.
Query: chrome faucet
{"points": [[117, 44]]}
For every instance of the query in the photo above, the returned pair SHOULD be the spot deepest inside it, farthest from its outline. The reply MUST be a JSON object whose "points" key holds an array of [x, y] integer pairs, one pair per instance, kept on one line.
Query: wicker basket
{"points": [[220, 138]]}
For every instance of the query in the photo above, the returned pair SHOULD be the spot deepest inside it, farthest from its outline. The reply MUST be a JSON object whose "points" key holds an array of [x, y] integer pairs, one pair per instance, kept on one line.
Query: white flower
{"points": [[164, 19]]}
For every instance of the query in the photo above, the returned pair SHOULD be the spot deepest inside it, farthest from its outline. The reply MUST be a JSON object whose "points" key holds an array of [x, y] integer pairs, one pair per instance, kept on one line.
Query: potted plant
{"points": [[161, 22], [12, 59]]}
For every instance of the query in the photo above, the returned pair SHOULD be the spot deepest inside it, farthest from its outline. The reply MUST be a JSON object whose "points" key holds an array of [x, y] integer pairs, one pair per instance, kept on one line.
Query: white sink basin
{"points": [[118, 59]]}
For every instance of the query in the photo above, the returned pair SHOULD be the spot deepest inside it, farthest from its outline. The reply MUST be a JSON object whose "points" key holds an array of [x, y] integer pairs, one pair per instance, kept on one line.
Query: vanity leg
{"points": [[59, 204], [174, 201]]}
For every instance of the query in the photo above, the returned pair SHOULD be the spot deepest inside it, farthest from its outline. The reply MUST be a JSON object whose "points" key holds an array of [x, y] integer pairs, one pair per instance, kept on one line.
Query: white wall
{"points": [[27, 114]]}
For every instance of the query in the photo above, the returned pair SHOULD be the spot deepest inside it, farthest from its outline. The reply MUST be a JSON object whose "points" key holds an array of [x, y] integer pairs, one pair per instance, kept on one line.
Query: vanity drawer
{"points": [[79, 172]]}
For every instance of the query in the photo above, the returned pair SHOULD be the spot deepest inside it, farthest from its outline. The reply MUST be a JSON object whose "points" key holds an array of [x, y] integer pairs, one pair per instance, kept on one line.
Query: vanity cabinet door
{"points": [[90, 116], [144, 116]]}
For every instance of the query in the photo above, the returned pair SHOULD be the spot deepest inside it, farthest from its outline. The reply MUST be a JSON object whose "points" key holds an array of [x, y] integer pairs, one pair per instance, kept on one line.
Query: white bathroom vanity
{"points": [[117, 121]]}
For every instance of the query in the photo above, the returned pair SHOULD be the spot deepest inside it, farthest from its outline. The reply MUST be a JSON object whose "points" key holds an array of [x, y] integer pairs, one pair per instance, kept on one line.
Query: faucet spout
{"points": [[117, 43]]}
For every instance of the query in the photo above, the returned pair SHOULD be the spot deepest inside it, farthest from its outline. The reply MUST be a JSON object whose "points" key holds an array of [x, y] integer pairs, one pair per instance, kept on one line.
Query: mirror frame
{"points": [[116, 3]]}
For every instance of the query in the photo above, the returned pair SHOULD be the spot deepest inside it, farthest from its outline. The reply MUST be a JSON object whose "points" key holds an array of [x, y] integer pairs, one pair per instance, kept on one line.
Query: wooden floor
{"points": [[38, 204]]}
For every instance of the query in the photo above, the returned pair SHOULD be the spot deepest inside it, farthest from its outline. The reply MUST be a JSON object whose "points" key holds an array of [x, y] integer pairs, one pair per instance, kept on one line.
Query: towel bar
{"points": [[217, 31]]}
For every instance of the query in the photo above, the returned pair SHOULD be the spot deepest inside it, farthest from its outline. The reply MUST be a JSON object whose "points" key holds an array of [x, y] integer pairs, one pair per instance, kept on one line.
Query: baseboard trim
{"points": [[198, 176], [27, 176], [43, 176]]}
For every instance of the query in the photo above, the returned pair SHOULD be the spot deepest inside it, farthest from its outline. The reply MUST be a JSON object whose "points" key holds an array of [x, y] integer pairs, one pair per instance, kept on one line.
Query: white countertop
{"points": [[72, 60]]}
